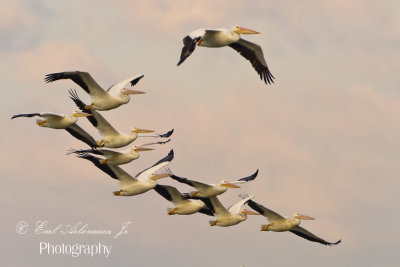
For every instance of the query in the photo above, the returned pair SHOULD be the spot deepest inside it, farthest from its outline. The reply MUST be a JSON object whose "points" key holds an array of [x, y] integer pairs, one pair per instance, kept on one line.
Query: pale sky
{"points": [[325, 136]]}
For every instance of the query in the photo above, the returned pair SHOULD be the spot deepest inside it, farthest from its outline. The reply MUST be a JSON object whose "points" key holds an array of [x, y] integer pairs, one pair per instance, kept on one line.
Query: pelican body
{"points": [[118, 157], [142, 182], [111, 137], [278, 223], [228, 217], [228, 37], [209, 190], [61, 121], [114, 97], [182, 206]]}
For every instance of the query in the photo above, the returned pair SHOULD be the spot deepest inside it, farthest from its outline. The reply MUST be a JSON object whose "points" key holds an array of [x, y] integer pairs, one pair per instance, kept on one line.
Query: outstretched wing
{"points": [[300, 231], [249, 178], [253, 53], [81, 105], [81, 134], [25, 115], [83, 79], [103, 126], [189, 44], [119, 86], [271, 215], [192, 183], [170, 193], [166, 159], [104, 167], [103, 152]]}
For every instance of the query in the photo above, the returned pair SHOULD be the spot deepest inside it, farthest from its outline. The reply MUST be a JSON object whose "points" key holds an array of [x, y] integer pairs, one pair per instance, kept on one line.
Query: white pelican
{"points": [[118, 157], [182, 206], [111, 137], [224, 37], [60, 121], [278, 223], [142, 182], [227, 217], [208, 190], [114, 97]]}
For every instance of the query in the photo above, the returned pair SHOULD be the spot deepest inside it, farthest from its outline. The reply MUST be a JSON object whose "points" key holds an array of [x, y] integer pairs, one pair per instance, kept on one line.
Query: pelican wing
{"points": [[217, 206], [249, 178], [81, 105], [123, 177], [170, 193], [83, 79], [103, 152], [300, 231], [192, 183], [103, 126], [25, 115], [235, 208], [207, 211], [271, 215], [81, 134], [104, 167], [146, 173], [253, 53], [114, 89], [189, 44]]}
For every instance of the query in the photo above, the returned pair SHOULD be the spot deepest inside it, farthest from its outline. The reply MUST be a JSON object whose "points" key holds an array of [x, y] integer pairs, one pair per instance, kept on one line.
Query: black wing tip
{"points": [[167, 134], [52, 77], [136, 80], [169, 157], [335, 243]]}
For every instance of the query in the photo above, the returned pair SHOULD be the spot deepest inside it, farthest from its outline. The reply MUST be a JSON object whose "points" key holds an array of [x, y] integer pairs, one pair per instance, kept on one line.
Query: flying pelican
{"points": [[115, 96], [227, 217], [224, 37], [116, 157], [111, 137], [278, 223], [208, 190], [182, 206], [61, 121], [142, 182]]}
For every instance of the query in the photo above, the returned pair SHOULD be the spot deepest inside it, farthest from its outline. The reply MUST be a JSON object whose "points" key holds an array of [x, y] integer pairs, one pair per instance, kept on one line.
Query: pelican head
{"points": [[127, 91], [241, 30], [137, 130], [229, 184], [302, 217]]}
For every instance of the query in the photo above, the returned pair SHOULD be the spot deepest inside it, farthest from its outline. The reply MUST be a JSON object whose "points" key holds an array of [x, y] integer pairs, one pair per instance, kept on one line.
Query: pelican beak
{"points": [[133, 92], [101, 143], [159, 176], [230, 185], [264, 227], [141, 148], [81, 114], [249, 212], [242, 30], [305, 217], [137, 130]]}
